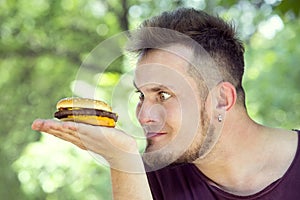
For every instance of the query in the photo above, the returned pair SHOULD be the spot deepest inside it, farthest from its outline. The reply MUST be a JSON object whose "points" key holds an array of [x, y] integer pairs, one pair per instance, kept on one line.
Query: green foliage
{"points": [[50, 169], [272, 77], [289, 7], [42, 46], [42, 43]]}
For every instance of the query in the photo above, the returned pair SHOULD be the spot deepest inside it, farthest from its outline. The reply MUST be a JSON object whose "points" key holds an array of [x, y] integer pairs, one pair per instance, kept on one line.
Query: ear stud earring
{"points": [[220, 118]]}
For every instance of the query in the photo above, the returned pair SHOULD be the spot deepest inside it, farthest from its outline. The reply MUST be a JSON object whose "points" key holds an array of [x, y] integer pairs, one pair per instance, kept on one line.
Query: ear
{"points": [[225, 95]]}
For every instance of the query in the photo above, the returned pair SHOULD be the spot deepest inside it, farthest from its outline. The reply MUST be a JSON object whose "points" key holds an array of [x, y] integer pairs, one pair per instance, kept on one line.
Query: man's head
{"points": [[212, 34], [183, 56]]}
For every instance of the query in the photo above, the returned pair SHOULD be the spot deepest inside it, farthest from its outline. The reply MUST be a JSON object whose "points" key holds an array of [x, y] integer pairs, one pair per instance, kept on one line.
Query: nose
{"points": [[149, 113]]}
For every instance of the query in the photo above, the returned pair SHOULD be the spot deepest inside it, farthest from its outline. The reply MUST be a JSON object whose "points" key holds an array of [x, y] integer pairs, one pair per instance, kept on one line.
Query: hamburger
{"points": [[84, 110]]}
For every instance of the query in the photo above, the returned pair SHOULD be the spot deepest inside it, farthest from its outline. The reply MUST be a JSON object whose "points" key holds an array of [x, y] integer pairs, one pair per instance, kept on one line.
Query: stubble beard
{"points": [[199, 146], [201, 142]]}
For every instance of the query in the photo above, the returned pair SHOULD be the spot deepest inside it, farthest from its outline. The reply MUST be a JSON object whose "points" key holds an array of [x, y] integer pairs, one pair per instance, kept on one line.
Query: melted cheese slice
{"points": [[93, 120]]}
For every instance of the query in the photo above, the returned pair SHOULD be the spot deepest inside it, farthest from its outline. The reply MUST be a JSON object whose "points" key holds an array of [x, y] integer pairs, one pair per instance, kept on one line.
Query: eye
{"points": [[141, 95], [163, 96]]}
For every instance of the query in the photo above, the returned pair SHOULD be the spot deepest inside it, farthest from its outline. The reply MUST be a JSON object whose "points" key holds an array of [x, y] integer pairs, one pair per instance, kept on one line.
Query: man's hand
{"points": [[114, 145]]}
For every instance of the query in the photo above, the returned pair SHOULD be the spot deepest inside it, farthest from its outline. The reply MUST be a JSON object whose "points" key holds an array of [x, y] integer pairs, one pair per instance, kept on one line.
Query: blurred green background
{"points": [[43, 44]]}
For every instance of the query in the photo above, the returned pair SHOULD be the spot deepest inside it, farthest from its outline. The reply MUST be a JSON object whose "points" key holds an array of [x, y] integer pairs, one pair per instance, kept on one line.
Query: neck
{"points": [[240, 161]]}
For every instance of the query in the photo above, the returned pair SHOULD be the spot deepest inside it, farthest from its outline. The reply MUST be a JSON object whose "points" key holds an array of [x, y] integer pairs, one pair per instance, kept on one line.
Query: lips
{"points": [[151, 135]]}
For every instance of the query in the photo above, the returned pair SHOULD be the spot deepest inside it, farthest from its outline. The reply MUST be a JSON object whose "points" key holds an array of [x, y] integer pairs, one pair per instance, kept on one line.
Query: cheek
{"points": [[173, 114]]}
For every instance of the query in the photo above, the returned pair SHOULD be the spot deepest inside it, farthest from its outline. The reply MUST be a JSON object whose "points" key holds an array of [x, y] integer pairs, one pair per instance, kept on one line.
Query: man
{"points": [[201, 143]]}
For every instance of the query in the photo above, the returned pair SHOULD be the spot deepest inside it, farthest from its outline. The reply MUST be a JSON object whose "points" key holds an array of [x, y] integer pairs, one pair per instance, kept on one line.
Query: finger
{"points": [[66, 128], [71, 125], [93, 137], [106, 138], [43, 124], [37, 124], [72, 138], [46, 124], [95, 131], [100, 142], [63, 130]]}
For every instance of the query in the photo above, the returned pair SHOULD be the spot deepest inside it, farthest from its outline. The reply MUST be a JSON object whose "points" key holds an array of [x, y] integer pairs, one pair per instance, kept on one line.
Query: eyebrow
{"points": [[156, 88]]}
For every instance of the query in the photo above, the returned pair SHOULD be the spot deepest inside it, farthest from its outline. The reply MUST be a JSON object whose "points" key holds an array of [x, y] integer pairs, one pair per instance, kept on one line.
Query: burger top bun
{"points": [[78, 102]]}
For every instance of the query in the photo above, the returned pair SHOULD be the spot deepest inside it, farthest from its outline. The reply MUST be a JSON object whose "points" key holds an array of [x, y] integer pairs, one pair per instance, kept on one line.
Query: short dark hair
{"points": [[217, 37]]}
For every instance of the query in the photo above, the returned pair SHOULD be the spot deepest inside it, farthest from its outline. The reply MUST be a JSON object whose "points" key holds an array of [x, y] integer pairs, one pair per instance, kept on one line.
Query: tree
{"points": [[43, 44]]}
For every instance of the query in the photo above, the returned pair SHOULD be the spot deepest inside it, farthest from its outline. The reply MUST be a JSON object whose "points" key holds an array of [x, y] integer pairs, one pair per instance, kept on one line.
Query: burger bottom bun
{"points": [[92, 120]]}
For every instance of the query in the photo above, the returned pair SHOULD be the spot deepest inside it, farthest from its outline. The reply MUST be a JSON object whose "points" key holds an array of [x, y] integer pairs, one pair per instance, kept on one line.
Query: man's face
{"points": [[169, 110]]}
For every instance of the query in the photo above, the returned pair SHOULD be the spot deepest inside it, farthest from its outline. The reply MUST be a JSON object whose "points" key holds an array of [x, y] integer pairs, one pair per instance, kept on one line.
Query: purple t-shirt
{"points": [[186, 182]]}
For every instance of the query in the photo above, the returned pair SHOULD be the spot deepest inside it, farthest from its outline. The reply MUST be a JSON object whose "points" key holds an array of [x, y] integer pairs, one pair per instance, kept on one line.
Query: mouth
{"points": [[152, 135]]}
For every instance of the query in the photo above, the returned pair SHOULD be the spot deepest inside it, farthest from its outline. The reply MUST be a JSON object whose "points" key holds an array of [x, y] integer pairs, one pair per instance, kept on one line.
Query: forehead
{"points": [[163, 67], [178, 57]]}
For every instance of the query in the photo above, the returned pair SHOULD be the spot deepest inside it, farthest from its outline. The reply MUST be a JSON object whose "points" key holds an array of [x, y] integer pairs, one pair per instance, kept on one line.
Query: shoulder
{"points": [[284, 150], [289, 184]]}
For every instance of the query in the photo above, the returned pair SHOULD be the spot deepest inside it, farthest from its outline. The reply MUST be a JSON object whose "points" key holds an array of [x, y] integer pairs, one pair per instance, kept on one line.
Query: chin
{"points": [[156, 159]]}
